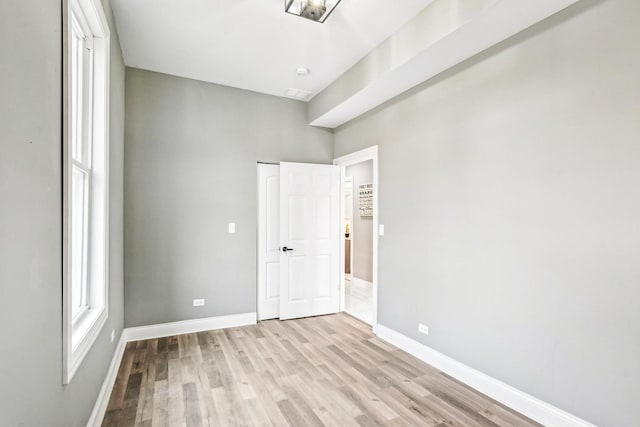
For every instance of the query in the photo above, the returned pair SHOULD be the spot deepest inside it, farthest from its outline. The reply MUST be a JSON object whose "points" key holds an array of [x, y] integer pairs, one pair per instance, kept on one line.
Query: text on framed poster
{"points": [[366, 200]]}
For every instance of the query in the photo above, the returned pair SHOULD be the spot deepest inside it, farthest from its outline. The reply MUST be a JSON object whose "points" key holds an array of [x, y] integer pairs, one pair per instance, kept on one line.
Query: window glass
{"points": [[79, 205]]}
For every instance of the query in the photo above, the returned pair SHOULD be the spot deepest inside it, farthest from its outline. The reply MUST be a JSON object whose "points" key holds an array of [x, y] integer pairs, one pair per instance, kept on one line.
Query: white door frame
{"points": [[352, 228], [370, 153]]}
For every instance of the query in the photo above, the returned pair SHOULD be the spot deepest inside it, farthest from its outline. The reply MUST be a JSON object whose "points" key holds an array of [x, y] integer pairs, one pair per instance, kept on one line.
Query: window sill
{"points": [[84, 334]]}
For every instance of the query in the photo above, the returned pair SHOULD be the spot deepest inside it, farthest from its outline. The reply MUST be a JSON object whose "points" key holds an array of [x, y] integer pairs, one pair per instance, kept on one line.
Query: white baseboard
{"points": [[100, 408], [515, 399], [158, 331], [189, 326]]}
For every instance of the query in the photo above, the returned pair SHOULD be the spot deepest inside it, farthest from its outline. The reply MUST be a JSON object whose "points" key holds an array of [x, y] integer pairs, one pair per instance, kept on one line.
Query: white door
{"points": [[309, 239], [268, 241]]}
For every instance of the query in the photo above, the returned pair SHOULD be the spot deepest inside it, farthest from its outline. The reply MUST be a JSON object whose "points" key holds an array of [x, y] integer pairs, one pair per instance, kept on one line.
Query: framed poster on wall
{"points": [[366, 200]]}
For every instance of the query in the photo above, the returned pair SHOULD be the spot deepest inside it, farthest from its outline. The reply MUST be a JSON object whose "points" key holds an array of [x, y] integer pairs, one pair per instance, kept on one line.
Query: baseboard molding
{"points": [[189, 326], [100, 408], [515, 399]]}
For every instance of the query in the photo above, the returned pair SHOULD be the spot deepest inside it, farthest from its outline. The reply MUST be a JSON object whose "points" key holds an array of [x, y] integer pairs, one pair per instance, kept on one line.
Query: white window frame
{"points": [[81, 328]]}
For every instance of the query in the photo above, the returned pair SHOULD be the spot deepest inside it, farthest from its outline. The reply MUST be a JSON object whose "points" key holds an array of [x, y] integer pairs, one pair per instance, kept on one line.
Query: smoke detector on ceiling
{"points": [[303, 71]]}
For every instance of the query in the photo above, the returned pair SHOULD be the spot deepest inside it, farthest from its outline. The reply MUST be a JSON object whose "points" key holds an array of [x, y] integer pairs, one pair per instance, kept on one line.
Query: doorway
{"points": [[359, 243], [298, 240], [313, 276], [358, 228]]}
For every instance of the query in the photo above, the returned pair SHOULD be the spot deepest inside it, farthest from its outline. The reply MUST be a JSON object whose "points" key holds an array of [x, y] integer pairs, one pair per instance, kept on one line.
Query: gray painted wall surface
{"points": [[362, 240], [190, 168], [510, 193], [31, 391]]}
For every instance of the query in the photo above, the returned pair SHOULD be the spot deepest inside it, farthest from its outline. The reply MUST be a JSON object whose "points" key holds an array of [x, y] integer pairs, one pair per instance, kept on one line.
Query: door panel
{"points": [[323, 218], [320, 273], [296, 279], [273, 280], [273, 208], [309, 224], [268, 241], [296, 214]]}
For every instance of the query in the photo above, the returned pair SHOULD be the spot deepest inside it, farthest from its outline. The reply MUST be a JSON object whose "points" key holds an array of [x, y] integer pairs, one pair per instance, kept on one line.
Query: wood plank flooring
{"points": [[319, 371]]}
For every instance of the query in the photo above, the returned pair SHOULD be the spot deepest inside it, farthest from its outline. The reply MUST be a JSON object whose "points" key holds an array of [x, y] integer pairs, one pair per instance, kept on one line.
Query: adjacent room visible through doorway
{"points": [[358, 228]]}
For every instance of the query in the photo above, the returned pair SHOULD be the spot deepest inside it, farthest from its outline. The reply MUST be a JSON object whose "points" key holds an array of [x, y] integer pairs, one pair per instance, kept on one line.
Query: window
{"points": [[81, 81], [86, 180]]}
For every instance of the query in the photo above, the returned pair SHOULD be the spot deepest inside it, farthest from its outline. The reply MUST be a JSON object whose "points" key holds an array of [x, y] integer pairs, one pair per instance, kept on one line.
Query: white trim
{"points": [[351, 232], [359, 156], [370, 153], [515, 399], [95, 324], [343, 240], [100, 408], [189, 326], [93, 12]]}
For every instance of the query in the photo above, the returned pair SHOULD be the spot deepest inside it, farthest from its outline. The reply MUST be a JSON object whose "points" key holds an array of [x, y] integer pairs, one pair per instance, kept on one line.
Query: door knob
{"points": [[286, 249]]}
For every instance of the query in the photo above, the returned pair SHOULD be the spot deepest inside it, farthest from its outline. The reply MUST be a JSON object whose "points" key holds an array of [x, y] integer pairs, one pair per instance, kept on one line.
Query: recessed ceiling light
{"points": [[303, 71], [315, 10]]}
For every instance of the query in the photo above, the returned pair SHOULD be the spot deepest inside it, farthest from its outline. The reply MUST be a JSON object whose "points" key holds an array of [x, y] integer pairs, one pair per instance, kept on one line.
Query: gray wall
{"points": [[362, 237], [190, 168], [31, 391], [520, 248]]}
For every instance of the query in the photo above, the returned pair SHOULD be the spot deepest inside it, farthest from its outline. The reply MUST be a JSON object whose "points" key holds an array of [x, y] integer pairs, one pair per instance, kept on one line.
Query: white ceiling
{"points": [[254, 44]]}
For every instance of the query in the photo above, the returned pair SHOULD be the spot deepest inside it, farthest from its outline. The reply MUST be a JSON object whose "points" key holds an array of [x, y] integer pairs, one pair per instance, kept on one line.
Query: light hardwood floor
{"points": [[327, 370]]}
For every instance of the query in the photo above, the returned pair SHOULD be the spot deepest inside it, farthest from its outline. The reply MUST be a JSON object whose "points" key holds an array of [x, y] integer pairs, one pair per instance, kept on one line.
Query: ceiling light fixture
{"points": [[315, 10]]}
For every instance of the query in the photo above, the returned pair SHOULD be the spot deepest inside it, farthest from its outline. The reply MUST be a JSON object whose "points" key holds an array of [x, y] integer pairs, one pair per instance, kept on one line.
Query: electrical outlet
{"points": [[232, 227], [113, 335], [198, 302], [423, 329], [381, 229]]}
